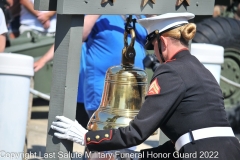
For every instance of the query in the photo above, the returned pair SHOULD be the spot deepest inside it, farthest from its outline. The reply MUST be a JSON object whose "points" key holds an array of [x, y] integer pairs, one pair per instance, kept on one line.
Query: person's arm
{"points": [[45, 16], [2, 42], [10, 3], [44, 59], [3, 30], [29, 6], [89, 22], [50, 14]]}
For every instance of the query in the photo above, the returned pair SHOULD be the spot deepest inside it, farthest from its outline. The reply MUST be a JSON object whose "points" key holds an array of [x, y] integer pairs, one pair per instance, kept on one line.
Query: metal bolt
{"points": [[197, 4], [222, 68], [237, 76], [228, 65], [234, 69]]}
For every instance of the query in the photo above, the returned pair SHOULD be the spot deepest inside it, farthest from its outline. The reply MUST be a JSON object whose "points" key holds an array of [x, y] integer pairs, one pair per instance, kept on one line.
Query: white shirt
{"points": [[31, 21], [3, 26]]}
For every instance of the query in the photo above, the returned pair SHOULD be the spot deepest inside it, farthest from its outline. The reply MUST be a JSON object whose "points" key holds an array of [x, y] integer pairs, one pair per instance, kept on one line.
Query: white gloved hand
{"points": [[70, 130]]}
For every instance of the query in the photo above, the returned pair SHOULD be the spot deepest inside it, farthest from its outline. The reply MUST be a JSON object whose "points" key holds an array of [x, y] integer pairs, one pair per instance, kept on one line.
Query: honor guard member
{"points": [[184, 100]]}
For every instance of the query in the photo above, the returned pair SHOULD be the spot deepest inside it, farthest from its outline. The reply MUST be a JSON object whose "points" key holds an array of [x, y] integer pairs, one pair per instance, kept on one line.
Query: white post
{"points": [[15, 75]]}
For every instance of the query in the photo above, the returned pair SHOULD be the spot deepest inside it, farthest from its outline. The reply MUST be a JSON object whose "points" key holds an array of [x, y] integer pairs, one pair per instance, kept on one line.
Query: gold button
{"points": [[88, 139], [97, 137], [106, 135]]}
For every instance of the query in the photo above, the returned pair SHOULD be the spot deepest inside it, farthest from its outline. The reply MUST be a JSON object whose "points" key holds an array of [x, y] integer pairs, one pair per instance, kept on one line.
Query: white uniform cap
{"points": [[165, 21]]}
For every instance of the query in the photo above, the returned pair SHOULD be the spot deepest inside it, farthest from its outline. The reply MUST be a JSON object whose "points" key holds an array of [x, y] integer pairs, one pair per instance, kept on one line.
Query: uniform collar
{"points": [[181, 54], [175, 57]]}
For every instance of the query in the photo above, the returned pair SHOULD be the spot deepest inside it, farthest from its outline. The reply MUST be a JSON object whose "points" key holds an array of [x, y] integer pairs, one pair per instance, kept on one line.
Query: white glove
{"points": [[70, 130]]}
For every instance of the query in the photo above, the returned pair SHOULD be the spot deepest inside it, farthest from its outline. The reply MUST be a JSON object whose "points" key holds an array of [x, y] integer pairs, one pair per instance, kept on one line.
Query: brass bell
{"points": [[124, 92]]}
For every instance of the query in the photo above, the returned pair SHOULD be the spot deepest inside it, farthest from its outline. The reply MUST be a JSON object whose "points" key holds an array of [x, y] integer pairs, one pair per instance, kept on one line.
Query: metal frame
{"points": [[68, 42]]}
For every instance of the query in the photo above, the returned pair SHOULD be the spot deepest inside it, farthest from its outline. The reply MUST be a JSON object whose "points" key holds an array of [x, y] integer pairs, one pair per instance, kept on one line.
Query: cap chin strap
{"points": [[160, 48], [159, 41]]}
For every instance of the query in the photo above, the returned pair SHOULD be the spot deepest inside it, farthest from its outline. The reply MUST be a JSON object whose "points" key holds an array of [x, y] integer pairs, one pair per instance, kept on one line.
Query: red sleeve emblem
{"points": [[154, 88]]}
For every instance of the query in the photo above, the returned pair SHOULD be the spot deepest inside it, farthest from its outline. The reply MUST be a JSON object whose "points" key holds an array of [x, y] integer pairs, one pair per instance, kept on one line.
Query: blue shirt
{"points": [[81, 75], [103, 50]]}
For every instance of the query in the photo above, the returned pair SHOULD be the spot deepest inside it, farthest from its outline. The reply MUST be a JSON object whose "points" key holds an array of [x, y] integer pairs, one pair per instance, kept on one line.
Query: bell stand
{"points": [[68, 42]]}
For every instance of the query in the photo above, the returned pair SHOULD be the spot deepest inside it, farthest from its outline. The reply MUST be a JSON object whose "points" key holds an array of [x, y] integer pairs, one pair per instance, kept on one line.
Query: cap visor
{"points": [[149, 46]]}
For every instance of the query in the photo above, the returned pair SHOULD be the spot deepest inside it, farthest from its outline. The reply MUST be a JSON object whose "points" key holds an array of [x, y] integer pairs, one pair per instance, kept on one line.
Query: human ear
{"points": [[163, 43]]}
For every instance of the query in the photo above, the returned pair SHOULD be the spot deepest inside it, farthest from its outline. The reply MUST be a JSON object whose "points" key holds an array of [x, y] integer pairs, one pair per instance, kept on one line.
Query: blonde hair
{"points": [[185, 32]]}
